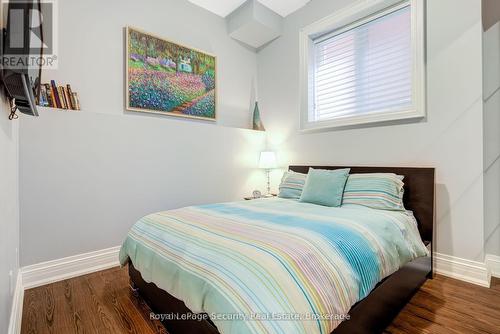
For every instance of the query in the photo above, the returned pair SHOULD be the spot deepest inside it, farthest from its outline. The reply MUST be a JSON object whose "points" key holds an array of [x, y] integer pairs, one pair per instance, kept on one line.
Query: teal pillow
{"points": [[325, 187]]}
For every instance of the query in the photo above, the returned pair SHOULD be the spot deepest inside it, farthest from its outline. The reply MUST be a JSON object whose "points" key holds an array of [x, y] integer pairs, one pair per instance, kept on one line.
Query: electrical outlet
{"points": [[12, 284]]}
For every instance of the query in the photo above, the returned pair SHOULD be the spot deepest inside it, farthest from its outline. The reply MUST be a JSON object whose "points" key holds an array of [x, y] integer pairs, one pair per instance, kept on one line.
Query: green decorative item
{"points": [[257, 122]]}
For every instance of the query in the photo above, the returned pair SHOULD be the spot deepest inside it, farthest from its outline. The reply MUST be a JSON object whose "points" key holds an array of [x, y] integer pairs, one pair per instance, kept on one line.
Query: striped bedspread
{"points": [[271, 265]]}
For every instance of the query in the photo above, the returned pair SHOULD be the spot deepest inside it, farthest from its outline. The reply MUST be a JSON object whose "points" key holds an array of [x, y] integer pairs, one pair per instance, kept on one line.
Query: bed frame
{"points": [[370, 315]]}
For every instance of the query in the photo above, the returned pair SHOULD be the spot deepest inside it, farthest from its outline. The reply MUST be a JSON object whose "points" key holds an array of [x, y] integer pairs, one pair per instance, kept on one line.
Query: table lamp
{"points": [[267, 161]]}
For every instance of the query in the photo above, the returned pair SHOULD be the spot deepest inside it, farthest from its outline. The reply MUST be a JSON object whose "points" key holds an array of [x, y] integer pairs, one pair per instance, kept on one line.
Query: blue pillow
{"points": [[324, 187]]}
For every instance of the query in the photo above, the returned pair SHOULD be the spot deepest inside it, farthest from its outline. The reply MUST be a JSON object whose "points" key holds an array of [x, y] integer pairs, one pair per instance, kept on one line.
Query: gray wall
{"points": [[451, 138], [86, 177], [491, 96], [9, 211], [91, 51], [103, 168]]}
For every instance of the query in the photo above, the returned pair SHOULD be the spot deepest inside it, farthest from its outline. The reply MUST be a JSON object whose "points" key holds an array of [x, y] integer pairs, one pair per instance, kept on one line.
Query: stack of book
{"points": [[60, 97]]}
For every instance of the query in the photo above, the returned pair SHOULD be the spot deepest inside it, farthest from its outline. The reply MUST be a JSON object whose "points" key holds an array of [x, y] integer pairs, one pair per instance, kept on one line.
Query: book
{"points": [[50, 97], [62, 96], [76, 101], [56, 94], [73, 101], [45, 96], [66, 97], [42, 97], [71, 98]]}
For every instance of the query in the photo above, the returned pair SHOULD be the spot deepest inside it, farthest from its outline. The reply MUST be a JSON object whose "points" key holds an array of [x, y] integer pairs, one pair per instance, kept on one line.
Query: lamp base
{"points": [[268, 172]]}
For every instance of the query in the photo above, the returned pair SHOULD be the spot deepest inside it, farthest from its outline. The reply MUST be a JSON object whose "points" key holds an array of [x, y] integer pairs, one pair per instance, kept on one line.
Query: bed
{"points": [[281, 266]]}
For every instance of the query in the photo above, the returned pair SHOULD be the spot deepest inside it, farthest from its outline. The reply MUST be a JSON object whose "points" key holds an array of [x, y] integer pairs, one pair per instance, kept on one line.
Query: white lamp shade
{"points": [[267, 160]]}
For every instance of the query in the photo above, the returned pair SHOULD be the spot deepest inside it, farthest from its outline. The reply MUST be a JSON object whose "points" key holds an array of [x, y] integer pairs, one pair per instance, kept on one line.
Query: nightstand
{"points": [[249, 198]]}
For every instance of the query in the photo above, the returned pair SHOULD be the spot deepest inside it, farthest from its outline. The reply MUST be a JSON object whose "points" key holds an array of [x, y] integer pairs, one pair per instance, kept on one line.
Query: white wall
{"points": [[92, 44], [9, 211], [491, 96], [86, 177], [450, 139]]}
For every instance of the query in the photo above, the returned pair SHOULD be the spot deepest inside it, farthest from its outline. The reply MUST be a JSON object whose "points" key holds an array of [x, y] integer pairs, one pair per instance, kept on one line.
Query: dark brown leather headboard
{"points": [[418, 191]]}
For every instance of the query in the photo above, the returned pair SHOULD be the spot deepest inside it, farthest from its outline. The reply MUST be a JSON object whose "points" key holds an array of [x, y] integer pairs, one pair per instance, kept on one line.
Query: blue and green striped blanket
{"points": [[271, 265]]}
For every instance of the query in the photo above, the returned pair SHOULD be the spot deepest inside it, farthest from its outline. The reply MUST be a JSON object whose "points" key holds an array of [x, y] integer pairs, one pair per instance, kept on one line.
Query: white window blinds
{"points": [[364, 68]]}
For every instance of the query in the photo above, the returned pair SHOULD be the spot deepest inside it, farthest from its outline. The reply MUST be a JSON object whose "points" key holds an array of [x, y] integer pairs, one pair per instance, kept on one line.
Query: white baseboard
{"points": [[462, 269], [16, 311], [68, 267], [57, 270], [81, 264], [493, 264]]}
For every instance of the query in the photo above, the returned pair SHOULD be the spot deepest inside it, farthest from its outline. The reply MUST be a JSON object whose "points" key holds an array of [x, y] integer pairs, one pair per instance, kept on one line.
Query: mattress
{"points": [[271, 265]]}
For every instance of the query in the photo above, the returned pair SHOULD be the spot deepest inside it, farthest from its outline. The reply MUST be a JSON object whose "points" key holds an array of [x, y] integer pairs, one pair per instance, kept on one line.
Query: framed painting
{"points": [[167, 78]]}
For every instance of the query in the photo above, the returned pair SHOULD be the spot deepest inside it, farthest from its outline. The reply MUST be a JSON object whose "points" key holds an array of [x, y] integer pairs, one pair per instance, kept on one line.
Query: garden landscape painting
{"points": [[168, 78]]}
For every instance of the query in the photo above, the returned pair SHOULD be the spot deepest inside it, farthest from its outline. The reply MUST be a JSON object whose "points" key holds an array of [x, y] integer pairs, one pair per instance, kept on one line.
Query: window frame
{"points": [[348, 18]]}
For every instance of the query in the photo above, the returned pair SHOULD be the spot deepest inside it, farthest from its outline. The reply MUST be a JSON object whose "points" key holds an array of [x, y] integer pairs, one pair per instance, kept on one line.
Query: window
{"points": [[363, 69]]}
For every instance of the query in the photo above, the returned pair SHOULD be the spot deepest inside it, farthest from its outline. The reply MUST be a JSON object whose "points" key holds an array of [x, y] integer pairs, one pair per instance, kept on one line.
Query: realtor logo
{"points": [[29, 38]]}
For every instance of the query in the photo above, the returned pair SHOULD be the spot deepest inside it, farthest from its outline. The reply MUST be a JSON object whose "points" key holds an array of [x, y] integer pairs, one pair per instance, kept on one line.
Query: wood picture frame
{"points": [[168, 78]]}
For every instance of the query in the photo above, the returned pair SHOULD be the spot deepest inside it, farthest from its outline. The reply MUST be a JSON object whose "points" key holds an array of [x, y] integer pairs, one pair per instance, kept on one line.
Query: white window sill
{"points": [[361, 121]]}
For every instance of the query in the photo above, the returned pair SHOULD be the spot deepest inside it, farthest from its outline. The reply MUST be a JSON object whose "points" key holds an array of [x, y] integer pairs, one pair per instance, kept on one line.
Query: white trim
{"points": [[16, 311], [493, 264], [68, 267], [346, 16], [77, 265], [359, 22], [462, 269]]}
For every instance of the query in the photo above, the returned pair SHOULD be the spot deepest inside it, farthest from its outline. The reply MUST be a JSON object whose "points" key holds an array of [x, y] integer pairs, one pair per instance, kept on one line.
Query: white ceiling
{"points": [[225, 7]]}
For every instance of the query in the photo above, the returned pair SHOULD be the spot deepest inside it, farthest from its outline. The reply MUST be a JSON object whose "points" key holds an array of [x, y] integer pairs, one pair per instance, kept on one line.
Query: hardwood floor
{"points": [[445, 305], [102, 303], [96, 303]]}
